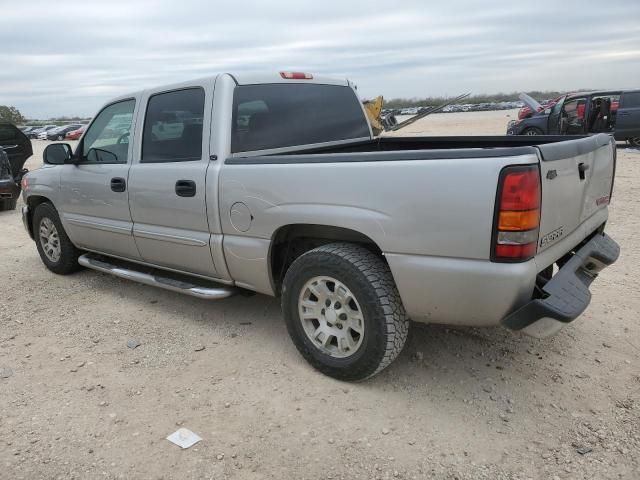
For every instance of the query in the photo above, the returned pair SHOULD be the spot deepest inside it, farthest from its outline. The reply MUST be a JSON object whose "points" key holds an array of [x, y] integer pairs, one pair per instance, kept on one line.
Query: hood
{"points": [[530, 102], [16, 145]]}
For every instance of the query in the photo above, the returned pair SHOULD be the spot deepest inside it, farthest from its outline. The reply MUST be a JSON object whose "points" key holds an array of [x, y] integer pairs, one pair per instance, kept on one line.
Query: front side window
{"points": [[284, 115], [173, 127], [107, 139]]}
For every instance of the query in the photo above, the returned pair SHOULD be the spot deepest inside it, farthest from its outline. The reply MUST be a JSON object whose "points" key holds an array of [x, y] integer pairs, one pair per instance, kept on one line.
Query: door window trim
{"points": [[144, 119], [77, 155]]}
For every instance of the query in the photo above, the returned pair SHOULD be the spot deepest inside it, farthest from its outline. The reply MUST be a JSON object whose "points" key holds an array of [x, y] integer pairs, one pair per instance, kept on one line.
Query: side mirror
{"points": [[57, 154]]}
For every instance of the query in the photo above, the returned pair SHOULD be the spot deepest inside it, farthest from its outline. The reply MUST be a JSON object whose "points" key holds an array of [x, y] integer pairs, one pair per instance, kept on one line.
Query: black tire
{"points": [[634, 142], [532, 131], [68, 260], [8, 204], [369, 279]]}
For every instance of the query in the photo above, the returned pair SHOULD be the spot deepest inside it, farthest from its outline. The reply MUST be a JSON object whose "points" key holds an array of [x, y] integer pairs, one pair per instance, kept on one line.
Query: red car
{"points": [[75, 134]]}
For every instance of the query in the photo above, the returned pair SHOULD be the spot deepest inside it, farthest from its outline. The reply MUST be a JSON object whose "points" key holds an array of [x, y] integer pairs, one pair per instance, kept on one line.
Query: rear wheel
{"points": [[634, 142], [343, 311], [8, 204], [532, 131], [56, 250]]}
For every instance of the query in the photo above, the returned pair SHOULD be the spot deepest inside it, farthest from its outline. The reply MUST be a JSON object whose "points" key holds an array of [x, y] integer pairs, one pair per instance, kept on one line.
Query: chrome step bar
{"points": [[209, 293]]}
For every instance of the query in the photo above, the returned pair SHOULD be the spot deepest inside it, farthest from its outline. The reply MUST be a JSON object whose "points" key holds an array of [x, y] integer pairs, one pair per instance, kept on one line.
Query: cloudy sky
{"points": [[63, 58]]}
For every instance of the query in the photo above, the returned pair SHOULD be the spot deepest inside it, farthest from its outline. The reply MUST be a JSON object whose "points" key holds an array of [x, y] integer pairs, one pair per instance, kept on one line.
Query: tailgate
{"points": [[577, 177]]}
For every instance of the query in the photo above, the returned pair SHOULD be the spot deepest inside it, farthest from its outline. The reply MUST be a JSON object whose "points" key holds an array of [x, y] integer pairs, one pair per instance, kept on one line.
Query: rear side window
{"points": [[285, 115], [631, 100], [173, 127]]}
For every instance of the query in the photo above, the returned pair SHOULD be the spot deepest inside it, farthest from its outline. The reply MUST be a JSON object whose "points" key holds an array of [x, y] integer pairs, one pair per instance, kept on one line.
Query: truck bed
{"points": [[425, 148]]}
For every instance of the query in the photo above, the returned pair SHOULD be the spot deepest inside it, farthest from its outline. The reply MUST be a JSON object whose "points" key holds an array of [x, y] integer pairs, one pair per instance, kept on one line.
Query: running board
{"points": [[181, 286]]}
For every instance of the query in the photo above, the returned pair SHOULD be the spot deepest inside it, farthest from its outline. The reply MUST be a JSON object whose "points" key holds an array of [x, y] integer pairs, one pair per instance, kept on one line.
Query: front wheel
{"points": [[56, 250], [60, 138], [532, 131], [634, 142], [343, 311]]}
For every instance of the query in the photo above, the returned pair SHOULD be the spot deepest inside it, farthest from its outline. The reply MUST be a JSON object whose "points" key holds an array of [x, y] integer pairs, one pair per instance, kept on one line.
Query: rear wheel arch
{"points": [[291, 241]]}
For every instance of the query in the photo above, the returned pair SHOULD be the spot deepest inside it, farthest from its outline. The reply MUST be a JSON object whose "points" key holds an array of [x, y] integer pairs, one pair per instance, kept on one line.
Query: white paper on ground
{"points": [[184, 438]]}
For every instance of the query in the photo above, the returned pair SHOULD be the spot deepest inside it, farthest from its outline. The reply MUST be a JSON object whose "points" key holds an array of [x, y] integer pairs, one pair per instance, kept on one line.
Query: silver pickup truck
{"points": [[275, 184]]}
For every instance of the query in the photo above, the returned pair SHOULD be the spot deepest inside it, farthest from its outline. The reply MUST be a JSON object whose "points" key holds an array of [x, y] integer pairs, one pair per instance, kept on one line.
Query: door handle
{"points": [[583, 167], [118, 184], [186, 188]]}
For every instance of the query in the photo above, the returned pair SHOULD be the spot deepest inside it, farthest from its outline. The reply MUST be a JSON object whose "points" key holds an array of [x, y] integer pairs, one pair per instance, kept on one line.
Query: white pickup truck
{"points": [[274, 183]]}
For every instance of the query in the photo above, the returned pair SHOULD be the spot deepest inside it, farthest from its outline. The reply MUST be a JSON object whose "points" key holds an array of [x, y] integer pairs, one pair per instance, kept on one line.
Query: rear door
{"points": [[628, 116], [94, 193], [576, 182], [167, 182]]}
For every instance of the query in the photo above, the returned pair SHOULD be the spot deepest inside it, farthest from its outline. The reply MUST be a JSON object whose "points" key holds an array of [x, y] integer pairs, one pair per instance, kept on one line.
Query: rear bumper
{"points": [[567, 294], [9, 189]]}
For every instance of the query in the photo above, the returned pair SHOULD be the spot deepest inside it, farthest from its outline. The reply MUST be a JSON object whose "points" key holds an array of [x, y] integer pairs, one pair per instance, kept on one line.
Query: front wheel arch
{"points": [[32, 202]]}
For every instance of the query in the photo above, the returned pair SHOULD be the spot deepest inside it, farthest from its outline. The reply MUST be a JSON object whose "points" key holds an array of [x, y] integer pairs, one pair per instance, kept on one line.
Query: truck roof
{"points": [[243, 78]]}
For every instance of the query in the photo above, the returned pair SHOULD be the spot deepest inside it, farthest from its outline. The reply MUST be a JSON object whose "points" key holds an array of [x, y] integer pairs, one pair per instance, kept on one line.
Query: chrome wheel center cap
{"points": [[330, 315]]}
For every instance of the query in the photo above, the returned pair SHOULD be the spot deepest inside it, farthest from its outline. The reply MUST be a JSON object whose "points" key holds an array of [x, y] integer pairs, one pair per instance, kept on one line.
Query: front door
{"points": [[167, 184], [553, 121], [94, 190]]}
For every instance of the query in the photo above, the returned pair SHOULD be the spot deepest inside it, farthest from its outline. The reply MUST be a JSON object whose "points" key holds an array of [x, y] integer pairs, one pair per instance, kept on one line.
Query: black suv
{"points": [[613, 111], [15, 149]]}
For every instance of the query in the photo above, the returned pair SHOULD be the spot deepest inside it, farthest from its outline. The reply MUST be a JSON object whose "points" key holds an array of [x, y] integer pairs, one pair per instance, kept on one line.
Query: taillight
{"points": [[296, 76], [517, 217]]}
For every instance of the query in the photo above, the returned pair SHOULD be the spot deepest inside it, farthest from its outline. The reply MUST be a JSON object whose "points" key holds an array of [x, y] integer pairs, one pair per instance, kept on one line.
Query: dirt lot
{"points": [[457, 404]]}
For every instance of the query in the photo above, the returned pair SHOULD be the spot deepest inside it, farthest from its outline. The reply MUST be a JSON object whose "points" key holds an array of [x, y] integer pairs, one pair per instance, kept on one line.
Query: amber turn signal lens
{"points": [[517, 221]]}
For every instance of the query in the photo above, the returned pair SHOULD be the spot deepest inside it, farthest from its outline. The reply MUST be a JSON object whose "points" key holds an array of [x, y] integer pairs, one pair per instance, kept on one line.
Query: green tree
{"points": [[11, 114]]}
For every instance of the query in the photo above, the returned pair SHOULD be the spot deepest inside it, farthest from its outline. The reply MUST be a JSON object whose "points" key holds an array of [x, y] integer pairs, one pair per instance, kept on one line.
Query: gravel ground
{"points": [[77, 402]]}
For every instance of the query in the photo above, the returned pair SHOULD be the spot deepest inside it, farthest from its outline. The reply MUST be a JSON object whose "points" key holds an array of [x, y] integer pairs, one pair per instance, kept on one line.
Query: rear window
{"points": [[631, 100], [285, 115]]}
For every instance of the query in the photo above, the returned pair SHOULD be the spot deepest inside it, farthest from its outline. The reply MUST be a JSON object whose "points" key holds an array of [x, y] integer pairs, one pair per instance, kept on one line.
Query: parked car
{"points": [[60, 132], [282, 189], [37, 131], [15, 149], [615, 112], [75, 134]]}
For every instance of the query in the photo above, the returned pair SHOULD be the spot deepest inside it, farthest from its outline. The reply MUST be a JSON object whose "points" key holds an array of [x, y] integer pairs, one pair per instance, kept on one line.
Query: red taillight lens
{"points": [[296, 76], [515, 231], [520, 190]]}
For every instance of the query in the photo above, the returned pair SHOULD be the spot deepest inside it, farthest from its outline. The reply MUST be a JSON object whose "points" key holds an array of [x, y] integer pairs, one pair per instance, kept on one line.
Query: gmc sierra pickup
{"points": [[275, 183]]}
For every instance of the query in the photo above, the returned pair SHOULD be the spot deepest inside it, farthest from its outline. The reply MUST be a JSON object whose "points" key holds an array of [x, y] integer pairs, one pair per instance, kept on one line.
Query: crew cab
{"points": [[616, 112], [275, 184]]}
